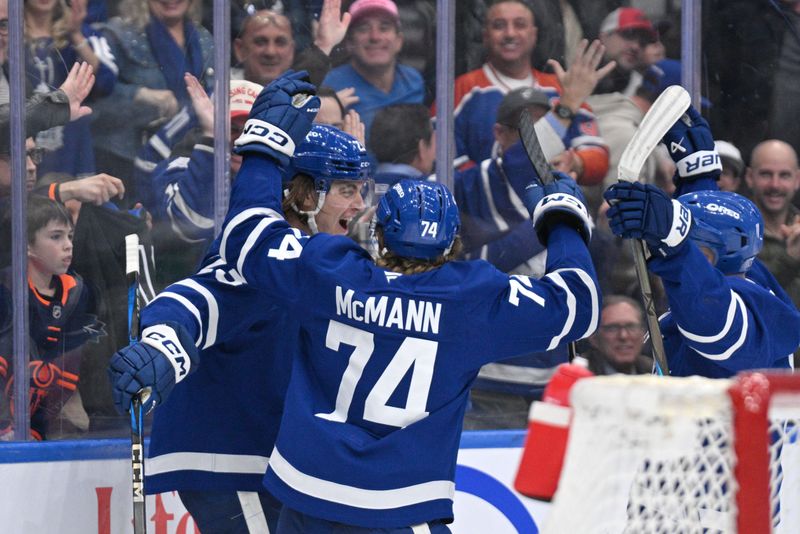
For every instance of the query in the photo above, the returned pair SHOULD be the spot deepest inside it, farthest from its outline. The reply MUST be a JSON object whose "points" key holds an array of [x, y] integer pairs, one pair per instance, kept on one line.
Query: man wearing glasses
{"points": [[616, 346]]}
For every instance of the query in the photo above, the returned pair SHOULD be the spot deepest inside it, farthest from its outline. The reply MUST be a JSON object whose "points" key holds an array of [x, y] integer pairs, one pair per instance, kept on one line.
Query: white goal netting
{"points": [[657, 455]]}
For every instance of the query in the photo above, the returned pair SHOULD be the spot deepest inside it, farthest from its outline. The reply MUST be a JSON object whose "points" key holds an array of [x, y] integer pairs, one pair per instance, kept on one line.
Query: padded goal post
{"points": [[650, 454]]}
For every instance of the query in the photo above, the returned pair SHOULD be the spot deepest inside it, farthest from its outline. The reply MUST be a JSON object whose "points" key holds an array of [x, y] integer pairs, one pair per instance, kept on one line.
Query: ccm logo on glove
{"points": [[258, 131], [165, 340]]}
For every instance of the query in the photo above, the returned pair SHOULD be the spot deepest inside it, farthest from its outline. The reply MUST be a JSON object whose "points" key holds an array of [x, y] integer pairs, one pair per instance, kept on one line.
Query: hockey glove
{"points": [[163, 357], [643, 211], [280, 118], [560, 201], [691, 147]]}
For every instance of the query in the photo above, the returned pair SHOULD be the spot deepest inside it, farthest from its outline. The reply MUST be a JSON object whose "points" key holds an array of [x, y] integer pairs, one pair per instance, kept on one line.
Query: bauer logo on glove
{"points": [[699, 162]]}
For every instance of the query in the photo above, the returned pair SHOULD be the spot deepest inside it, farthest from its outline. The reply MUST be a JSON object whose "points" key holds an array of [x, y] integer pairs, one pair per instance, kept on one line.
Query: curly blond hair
{"points": [[400, 264], [59, 24]]}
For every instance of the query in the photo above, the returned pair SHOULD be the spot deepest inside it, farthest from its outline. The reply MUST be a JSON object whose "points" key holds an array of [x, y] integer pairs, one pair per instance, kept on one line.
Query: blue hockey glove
{"points": [[162, 358], [280, 118], [560, 201], [691, 147], [643, 211]]}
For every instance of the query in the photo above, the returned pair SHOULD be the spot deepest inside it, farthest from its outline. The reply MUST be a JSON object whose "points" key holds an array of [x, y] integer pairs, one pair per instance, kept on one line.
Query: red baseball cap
{"points": [[361, 8], [627, 18], [242, 95]]}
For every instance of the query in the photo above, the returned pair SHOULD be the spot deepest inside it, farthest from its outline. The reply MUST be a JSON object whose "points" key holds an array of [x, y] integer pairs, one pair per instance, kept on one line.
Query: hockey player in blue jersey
{"points": [[727, 313], [387, 351], [238, 391]]}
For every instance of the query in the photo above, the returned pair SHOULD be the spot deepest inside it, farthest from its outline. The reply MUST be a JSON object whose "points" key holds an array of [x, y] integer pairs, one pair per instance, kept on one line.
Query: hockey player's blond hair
{"points": [[401, 264]]}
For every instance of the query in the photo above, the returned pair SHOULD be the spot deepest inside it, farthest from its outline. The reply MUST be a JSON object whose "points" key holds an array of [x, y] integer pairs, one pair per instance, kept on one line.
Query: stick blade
{"points": [[665, 111]]}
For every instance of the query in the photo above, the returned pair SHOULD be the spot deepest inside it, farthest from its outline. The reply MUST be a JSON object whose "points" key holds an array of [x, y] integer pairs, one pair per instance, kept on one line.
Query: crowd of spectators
{"points": [[120, 119]]}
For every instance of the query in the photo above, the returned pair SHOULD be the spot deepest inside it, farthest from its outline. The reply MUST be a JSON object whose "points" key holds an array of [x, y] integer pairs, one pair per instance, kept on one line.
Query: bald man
{"points": [[774, 178]]}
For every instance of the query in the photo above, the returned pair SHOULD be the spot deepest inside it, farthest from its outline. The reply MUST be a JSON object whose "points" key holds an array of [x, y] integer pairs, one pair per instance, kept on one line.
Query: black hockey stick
{"points": [[543, 168], [137, 418], [664, 112]]}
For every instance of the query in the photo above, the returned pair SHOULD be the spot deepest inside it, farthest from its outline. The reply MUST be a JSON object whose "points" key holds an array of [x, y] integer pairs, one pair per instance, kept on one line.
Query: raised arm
{"points": [[256, 248]]}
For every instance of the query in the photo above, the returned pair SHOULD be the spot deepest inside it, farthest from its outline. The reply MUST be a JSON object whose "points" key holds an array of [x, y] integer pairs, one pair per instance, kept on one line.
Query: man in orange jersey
{"points": [[509, 36]]}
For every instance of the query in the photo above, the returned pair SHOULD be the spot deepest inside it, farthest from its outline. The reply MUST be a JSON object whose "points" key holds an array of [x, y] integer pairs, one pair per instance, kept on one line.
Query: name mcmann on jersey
{"points": [[390, 312]]}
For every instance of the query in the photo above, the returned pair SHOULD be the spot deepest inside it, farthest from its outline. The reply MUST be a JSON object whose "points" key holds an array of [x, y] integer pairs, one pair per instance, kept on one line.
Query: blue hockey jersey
{"points": [[218, 427], [719, 325], [496, 227], [378, 389]]}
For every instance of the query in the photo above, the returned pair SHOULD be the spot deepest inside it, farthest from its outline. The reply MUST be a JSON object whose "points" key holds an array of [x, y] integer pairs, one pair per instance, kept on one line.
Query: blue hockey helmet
{"points": [[728, 224], [419, 219], [328, 154]]}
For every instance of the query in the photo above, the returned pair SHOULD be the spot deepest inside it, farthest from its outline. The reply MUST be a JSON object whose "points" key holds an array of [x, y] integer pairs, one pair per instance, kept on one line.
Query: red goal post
{"points": [[651, 454]]}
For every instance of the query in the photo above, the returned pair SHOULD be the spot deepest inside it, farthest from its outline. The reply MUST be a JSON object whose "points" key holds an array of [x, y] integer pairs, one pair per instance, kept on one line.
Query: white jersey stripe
{"points": [[251, 241], [487, 188], [213, 310], [189, 306], [239, 219], [739, 303], [359, 497], [253, 512], [593, 291], [571, 304], [731, 315], [195, 218], [205, 461]]}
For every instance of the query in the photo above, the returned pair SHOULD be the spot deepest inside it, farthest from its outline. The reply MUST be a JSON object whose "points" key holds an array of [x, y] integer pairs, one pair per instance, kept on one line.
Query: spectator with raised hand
{"points": [[625, 33], [373, 42], [55, 108], [773, 178], [265, 47], [333, 111], [57, 38], [509, 36], [496, 228], [155, 42]]}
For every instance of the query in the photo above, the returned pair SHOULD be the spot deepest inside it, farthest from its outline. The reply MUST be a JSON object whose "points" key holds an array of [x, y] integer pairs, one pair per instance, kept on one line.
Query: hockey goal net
{"points": [[650, 454]]}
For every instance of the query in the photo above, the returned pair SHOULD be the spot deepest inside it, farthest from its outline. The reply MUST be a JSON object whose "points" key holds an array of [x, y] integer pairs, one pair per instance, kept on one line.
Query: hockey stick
{"points": [[543, 168], [137, 437], [665, 111]]}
